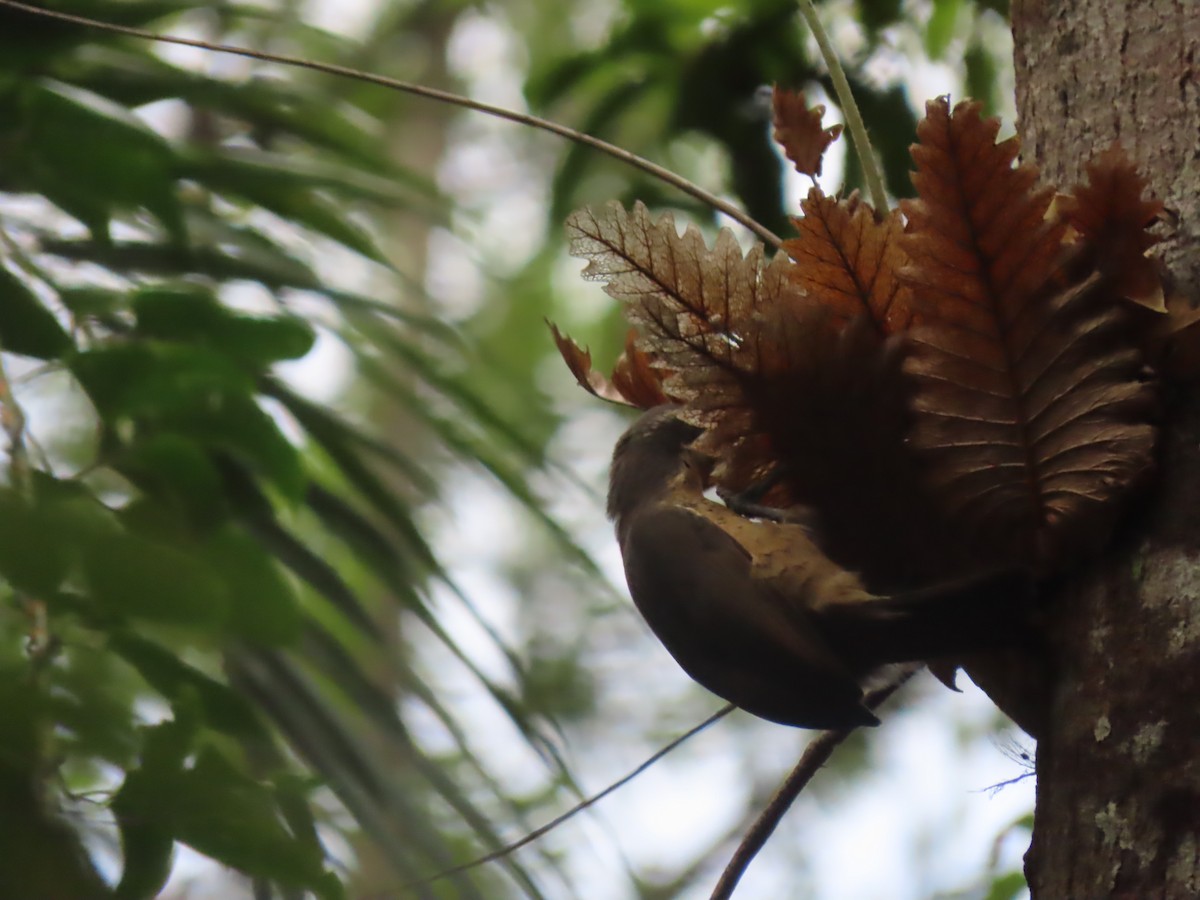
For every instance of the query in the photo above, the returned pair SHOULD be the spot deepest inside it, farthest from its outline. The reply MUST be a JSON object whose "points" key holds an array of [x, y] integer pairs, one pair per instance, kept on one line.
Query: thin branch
{"points": [[815, 755], [994, 789], [12, 420], [577, 808], [854, 121], [587, 140]]}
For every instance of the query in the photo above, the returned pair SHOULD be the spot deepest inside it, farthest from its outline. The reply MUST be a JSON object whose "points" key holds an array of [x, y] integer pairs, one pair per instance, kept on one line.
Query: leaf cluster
{"points": [[964, 383]]}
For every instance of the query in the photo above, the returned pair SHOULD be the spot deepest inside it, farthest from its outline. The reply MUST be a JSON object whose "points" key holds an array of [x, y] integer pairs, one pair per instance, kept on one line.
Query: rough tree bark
{"points": [[1118, 800]]}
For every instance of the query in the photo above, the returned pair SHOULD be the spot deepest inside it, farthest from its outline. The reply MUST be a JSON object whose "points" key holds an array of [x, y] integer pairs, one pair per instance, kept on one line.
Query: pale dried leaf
{"points": [[698, 309]]}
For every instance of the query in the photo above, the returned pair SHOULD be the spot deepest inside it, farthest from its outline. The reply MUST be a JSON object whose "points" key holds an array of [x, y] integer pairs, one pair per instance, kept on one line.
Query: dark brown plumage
{"points": [[755, 612]]}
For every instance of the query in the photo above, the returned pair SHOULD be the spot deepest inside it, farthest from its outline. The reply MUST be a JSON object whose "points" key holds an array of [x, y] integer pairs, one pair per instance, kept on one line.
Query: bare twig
{"points": [[815, 755], [577, 808], [587, 140]]}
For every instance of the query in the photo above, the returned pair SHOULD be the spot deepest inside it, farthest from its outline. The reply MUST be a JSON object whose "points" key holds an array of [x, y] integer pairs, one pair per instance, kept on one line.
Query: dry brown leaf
{"points": [[847, 262], [636, 376], [699, 311], [1111, 217], [798, 130], [1031, 409], [579, 361], [829, 418]]}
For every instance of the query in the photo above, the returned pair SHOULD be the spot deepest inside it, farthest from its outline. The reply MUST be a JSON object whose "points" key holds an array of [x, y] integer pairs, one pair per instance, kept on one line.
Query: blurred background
{"points": [[307, 586]]}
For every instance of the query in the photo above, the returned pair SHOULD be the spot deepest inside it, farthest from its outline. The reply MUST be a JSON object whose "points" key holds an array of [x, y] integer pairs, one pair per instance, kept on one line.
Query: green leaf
{"points": [[362, 779], [27, 37], [237, 425], [33, 554], [191, 391], [126, 164], [134, 77], [26, 326], [247, 170], [224, 253], [346, 445], [223, 708], [1006, 887], [177, 471], [91, 697], [293, 794], [147, 832], [263, 606], [940, 29], [93, 301], [223, 813], [148, 848], [40, 536], [152, 379], [133, 575], [43, 856], [187, 313], [982, 74], [320, 215], [370, 544]]}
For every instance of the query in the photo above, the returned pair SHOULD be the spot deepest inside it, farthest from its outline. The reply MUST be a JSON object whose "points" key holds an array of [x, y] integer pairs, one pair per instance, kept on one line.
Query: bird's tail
{"points": [[985, 612]]}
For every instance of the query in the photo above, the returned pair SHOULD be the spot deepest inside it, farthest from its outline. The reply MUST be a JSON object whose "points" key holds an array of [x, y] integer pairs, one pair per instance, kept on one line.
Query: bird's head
{"points": [[652, 457]]}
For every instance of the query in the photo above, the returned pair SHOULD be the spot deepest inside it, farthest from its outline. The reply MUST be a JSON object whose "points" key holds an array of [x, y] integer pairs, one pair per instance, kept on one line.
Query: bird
{"points": [[756, 612]]}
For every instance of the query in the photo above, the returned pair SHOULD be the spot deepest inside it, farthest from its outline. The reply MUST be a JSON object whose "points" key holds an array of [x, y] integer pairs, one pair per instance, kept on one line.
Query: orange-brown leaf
{"points": [[636, 377], [1031, 409], [848, 262], [579, 361], [798, 130], [1111, 216]]}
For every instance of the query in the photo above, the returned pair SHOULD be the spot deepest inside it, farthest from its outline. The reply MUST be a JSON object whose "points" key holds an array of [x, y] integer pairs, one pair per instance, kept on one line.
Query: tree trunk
{"points": [[1118, 800]]}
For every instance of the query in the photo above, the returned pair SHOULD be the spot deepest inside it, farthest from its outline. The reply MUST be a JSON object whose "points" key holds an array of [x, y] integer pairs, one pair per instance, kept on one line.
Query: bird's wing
{"points": [[693, 584]]}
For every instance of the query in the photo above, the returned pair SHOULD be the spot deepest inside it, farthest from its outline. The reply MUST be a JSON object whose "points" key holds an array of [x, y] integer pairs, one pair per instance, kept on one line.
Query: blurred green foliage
{"points": [[198, 620]]}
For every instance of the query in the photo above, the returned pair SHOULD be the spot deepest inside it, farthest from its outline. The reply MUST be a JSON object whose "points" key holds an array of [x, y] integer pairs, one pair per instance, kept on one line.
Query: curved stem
{"points": [[854, 122], [815, 755], [577, 808], [631, 159]]}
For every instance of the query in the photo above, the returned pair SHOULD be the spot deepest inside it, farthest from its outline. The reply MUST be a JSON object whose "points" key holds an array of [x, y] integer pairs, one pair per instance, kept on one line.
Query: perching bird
{"points": [[756, 612]]}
